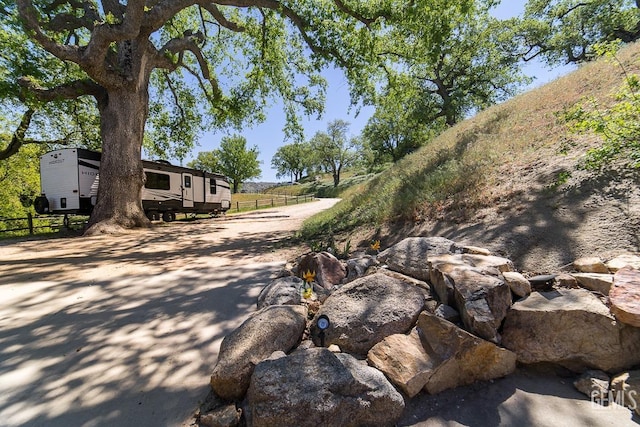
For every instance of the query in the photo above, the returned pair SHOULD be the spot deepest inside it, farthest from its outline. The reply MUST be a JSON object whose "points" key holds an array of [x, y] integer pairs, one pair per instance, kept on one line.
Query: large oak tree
{"points": [[565, 31], [132, 59]]}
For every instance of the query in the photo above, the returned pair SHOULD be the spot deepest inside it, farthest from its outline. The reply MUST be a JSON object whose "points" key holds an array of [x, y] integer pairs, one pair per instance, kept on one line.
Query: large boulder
{"points": [[328, 269], [273, 328], [465, 358], [404, 361], [365, 311], [411, 255], [317, 387], [572, 328], [477, 291], [482, 300], [437, 356], [625, 296], [282, 291]]}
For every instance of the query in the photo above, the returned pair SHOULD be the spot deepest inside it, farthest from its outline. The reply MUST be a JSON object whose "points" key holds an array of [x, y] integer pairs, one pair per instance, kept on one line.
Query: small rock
{"points": [[596, 282], [358, 267], [627, 383], [476, 250], [593, 383], [566, 280], [334, 349], [518, 284], [403, 359], [622, 261], [590, 265]]}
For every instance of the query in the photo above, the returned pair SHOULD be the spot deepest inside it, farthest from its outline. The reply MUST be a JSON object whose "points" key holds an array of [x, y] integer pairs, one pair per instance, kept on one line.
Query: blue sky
{"points": [[268, 136]]}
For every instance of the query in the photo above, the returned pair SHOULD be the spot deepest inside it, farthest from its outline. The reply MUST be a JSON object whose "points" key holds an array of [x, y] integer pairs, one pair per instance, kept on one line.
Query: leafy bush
{"points": [[618, 125]]}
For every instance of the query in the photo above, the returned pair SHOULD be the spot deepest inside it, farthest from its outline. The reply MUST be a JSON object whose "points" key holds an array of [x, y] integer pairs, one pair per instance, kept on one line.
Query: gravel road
{"points": [[125, 330]]}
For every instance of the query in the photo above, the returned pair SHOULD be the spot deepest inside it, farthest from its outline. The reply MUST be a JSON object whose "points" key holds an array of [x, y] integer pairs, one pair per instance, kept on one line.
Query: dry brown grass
{"points": [[497, 159]]}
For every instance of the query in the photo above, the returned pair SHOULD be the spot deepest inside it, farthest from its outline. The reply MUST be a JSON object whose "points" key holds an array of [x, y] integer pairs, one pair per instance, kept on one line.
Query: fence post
{"points": [[256, 203], [238, 206], [30, 222]]}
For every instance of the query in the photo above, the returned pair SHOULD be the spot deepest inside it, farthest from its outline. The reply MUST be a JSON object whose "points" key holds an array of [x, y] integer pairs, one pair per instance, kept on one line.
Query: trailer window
{"points": [[157, 181], [187, 181], [212, 187]]}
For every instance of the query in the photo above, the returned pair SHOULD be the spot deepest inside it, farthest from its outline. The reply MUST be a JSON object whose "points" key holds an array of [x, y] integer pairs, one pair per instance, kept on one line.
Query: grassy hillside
{"points": [[510, 161]]}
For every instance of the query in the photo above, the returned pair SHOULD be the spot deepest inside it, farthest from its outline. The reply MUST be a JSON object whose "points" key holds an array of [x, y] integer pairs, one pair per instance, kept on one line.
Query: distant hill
{"points": [[506, 179], [257, 187]]}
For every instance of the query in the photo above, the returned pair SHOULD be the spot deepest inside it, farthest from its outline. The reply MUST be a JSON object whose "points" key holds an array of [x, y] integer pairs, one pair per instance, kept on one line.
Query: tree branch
{"points": [[70, 90], [28, 14], [104, 34], [18, 139], [366, 21], [187, 44], [220, 18]]}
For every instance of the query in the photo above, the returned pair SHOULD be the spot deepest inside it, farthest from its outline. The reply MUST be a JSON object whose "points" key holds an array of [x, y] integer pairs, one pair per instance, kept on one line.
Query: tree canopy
{"points": [[333, 149], [565, 31], [292, 159], [169, 69], [233, 159]]}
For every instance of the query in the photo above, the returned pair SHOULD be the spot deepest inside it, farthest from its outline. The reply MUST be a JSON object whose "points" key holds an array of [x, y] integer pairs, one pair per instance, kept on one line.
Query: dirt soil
{"points": [[541, 227], [125, 330]]}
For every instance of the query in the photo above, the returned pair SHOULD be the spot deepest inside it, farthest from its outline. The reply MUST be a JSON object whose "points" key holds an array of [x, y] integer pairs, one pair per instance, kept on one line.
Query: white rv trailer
{"points": [[69, 181]]}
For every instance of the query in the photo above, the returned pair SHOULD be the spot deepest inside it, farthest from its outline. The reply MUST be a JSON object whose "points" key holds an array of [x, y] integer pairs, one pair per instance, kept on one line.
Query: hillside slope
{"points": [[507, 180]]}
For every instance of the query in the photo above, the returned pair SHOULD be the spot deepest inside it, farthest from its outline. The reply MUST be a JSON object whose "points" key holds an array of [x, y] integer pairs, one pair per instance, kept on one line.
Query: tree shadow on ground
{"points": [[528, 397], [546, 227], [130, 349]]}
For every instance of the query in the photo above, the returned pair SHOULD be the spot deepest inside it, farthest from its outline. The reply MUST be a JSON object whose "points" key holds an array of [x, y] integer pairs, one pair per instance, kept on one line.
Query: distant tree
{"points": [[443, 81], [396, 129], [565, 31], [236, 161], [332, 149], [206, 161], [19, 179], [292, 159]]}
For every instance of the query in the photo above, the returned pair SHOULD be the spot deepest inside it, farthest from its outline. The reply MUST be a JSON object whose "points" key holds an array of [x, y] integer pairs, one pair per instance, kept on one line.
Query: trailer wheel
{"points": [[41, 204], [152, 215], [168, 216]]}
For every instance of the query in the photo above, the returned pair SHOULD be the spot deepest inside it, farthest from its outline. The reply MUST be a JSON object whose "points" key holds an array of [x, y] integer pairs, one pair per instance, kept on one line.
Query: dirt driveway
{"points": [[125, 330]]}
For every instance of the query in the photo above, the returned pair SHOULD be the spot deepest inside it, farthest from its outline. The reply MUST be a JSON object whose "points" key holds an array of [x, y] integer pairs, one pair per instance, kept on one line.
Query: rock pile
{"points": [[426, 315]]}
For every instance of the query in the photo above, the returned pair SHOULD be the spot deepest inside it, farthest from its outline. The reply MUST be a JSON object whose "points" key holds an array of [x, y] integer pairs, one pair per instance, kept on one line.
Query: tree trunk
{"points": [[336, 176], [122, 117]]}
